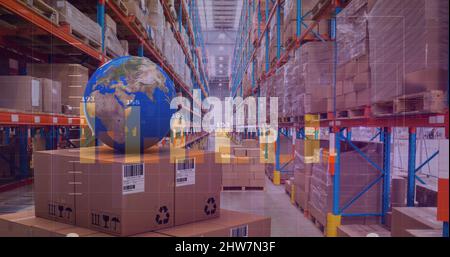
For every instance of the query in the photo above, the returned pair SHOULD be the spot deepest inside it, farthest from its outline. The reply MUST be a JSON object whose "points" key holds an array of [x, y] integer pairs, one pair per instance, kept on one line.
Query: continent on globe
{"points": [[127, 103]]}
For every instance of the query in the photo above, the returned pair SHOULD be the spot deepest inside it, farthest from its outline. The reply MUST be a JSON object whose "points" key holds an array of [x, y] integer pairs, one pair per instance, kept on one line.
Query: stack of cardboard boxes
{"points": [[80, 23], [98, 192], [353, 72], [73, 77], [313, 182], [244, 168], [406, 220], [98, 189], [315, 77], [408, 48], [30, 94], [113, 45]]}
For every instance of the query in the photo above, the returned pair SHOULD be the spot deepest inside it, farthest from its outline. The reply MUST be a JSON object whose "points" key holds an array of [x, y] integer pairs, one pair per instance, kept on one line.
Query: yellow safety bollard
{"points": [[276, 177], [293, 194], [333, 222]]}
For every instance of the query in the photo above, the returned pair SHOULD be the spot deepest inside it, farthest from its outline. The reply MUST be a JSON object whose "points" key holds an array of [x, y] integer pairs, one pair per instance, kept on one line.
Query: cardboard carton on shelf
{"points": [[51, 96], [121, 195], [23, 93], [405, 218], [73, 78], [362, 231]]}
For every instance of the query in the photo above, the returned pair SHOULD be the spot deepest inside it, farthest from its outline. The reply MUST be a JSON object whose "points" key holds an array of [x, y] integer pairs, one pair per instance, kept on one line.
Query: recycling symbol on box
{"points": [[210, 207], [163, 216]]}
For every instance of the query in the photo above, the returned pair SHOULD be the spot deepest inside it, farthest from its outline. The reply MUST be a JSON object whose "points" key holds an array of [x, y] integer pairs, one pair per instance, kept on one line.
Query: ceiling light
{"points": [[221, 48], [221, 58], [222, 36]]}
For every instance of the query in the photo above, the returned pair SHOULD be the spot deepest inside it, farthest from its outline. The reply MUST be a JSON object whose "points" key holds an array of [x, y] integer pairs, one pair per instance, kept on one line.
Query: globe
{"points": [[127, 103]]}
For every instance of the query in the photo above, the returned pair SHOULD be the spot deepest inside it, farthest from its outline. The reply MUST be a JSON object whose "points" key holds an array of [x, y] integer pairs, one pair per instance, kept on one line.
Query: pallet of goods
{"points": [[78, 24], [408, 55]]}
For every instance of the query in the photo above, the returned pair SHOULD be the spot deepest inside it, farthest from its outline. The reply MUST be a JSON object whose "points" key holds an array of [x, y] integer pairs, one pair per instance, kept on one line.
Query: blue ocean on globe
{"points": [[127, 103]]}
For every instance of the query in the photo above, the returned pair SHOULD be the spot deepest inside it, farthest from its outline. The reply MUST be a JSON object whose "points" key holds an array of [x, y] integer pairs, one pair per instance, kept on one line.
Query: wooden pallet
{"points": [[383, 108], [433, 101], [43, 9], [122, 7], [302, 210], [242, 188], [136, 23], [317, 223], [80, 35], [356, 112]]}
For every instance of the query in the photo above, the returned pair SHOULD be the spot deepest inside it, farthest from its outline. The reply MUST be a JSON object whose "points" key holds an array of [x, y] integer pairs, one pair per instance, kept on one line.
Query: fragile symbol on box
{"points": [[104, 221], [185, 174], [60, 211]]}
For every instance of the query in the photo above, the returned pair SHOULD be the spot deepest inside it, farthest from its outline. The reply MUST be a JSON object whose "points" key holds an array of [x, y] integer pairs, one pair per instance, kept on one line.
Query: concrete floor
{"points": [[287, 220]]}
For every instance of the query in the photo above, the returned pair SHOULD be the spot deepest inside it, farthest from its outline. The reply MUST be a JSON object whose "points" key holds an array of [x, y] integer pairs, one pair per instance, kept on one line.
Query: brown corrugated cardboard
{"points": [[423, 233], [51, 96], [404, 218], [363, 231], [116, 195], [398, 195], [23, 93], [229, 224], [197, 188], [73, 78]]}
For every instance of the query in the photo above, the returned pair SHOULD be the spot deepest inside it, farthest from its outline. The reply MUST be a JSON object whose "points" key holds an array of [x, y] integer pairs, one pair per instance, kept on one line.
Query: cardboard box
{"points": [[424, 233], [362, 231], [197, 188], [73, 78], [51, 96], [23, 93], [404, 218], [350, 100], [229, 224], [240, 152], [302, 181], [301, 198], [250, 143], [107, 192], [253, 152]]}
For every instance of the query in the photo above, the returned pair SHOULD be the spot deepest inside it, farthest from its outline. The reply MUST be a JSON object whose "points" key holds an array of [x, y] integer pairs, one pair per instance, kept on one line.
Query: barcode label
{"points": [[133, 170], [133, 179], [239, 231], [185, 172]]}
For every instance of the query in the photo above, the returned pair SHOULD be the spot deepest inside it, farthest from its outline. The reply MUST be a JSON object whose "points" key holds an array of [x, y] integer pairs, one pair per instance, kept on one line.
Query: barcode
{"points": [[186, 164], [239, 232], [129, 187], [133, 170], [179, 180]]}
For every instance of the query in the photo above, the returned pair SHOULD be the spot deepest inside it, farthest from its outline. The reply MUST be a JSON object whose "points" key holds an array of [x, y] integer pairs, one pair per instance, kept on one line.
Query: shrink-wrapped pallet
{"points": [[408, 47], [80, 23]]}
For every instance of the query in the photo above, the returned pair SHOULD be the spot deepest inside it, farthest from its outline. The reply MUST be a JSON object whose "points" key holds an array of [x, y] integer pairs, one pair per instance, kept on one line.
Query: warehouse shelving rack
{"points": [[56, 127], [339, 128]]}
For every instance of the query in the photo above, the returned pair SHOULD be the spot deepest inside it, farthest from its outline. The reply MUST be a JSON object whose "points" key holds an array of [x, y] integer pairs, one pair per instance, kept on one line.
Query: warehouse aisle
{"points": [[19, 199], [287, 220]]}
